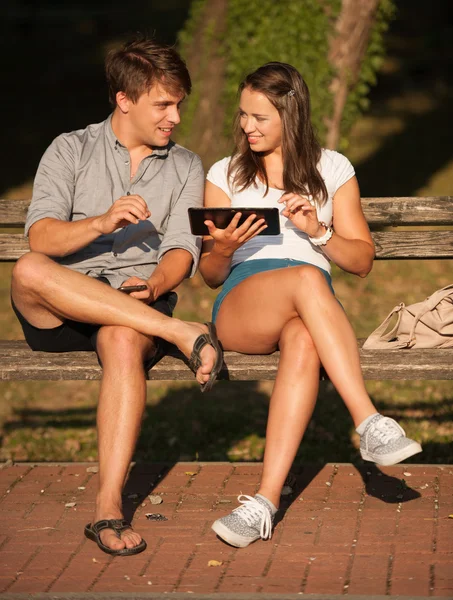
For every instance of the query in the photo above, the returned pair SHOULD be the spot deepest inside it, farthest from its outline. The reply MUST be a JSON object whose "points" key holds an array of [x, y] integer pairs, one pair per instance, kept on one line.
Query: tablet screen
{"points": [[221, 218]]}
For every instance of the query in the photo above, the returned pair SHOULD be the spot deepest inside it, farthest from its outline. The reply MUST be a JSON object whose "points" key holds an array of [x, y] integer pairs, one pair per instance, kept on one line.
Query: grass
{"points": [[56, 421]]}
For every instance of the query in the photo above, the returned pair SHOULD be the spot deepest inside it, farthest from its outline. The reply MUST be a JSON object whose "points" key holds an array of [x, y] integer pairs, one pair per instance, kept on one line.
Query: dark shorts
{"points": [[73, 336]]}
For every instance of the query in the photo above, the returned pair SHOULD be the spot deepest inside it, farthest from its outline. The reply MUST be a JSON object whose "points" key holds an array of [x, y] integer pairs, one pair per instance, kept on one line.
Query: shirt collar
{"points": [[114, 142]]}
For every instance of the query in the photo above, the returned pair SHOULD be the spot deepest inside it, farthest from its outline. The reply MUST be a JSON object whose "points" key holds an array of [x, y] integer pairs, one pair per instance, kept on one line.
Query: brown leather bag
{"points": [[427, 324]]}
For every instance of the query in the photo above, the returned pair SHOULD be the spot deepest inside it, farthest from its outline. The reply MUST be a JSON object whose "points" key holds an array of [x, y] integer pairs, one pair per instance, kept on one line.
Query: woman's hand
{"points": [[228, 240], [302, 213]]}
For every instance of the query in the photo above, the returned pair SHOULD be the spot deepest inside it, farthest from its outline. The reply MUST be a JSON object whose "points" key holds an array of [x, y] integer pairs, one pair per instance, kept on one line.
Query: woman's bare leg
{"points": [[264, 303], [291, 407]]}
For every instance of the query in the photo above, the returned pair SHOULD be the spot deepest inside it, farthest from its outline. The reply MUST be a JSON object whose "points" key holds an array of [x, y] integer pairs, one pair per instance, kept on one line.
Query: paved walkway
{"points": [[370, 532]]}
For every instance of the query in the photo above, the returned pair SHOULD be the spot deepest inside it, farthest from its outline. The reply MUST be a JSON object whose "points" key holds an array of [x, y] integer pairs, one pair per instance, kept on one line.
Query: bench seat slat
{"points": [[389, 244], [18, 362]]}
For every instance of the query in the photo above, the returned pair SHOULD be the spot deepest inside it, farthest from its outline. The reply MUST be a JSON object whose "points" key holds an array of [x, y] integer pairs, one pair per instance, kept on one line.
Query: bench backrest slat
{"points": [[432, 210], [389, 244], [379, 212], [13, 212], [435, 210]]}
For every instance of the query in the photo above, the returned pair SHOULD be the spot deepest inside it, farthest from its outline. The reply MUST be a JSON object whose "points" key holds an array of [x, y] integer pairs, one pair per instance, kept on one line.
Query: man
{"points": [[109, 210]]}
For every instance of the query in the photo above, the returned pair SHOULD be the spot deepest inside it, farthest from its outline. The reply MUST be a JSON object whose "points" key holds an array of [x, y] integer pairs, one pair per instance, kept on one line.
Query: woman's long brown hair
{"points": [[284, 87]]}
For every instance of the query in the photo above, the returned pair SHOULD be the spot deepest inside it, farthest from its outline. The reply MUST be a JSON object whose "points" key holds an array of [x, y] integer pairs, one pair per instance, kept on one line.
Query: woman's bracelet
{"points": [[322, 241]]}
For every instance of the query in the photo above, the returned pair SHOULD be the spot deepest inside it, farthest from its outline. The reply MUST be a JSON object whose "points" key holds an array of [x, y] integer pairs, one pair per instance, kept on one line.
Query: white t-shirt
{"points": [[292, 243]]}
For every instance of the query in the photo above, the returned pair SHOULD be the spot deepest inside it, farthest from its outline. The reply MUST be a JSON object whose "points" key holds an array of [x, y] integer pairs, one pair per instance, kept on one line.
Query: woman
{"points": [[277, 290]]}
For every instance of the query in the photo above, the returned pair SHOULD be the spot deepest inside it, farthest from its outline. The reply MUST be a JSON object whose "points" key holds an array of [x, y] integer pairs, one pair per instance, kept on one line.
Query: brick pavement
{"points": [[344, 531]]}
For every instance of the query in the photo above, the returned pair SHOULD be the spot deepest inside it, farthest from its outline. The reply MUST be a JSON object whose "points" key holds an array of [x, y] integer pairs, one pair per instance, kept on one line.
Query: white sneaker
{"points": [[247, 523], [385, 443]]}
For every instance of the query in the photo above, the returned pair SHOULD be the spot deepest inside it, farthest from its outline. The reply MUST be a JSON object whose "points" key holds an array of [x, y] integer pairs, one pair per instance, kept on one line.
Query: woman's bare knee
{"points": [[296, 341], [310, 276]]}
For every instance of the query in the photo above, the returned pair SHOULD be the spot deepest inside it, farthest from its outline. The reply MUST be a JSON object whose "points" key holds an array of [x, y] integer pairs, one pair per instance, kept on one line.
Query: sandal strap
{"points": [[118, 525], [201, 341]]}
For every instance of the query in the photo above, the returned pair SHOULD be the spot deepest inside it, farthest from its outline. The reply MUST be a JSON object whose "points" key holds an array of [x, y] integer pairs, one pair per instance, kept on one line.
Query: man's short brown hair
{"points": [[138, 64]]}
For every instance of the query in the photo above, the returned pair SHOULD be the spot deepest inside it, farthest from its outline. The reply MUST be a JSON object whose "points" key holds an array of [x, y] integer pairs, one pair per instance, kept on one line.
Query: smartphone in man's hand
{"points": [[128, 289]]}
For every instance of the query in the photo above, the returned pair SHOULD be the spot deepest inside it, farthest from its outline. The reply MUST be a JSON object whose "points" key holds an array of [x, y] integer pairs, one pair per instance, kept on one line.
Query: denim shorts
{"points": [[251, 267]]}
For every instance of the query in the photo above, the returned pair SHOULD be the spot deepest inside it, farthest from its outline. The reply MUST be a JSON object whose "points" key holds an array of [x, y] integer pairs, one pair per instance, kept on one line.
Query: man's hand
{"points": [[126, 210], [147, 296]]}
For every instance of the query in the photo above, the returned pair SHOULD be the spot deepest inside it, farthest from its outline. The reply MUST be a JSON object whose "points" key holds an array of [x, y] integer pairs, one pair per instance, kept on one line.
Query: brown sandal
{"points": [[195, 358], [92, 532]]}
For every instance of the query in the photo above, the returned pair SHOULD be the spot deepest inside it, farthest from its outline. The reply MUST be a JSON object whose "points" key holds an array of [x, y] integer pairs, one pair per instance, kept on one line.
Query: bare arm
{"points": [[174, 267], [219, 247], [54, 237], [351, 247]]}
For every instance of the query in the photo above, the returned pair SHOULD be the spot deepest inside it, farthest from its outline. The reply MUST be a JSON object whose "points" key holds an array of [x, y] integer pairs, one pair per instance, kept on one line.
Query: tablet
{"points": [[221, 218]]}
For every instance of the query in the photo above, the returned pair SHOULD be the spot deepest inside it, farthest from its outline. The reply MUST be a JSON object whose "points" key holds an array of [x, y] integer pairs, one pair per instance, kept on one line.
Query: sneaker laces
{"points": [[252, 511], [386, 429]]}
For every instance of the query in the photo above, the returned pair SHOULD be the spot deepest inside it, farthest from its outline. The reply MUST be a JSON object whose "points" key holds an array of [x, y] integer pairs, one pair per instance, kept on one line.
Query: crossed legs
{"points": [[47, 293], [293, 308]]}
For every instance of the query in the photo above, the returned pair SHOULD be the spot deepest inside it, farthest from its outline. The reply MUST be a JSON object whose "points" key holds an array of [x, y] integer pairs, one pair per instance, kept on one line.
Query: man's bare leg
{"points": [[47, 293], [122, 403]]}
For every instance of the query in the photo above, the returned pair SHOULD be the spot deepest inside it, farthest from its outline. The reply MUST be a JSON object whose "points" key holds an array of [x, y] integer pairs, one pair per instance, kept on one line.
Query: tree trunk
{"points": [[207, 69], [347, 50]]}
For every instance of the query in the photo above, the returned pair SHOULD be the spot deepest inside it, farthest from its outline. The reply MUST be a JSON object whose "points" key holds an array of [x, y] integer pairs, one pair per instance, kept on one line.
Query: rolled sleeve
{"points": [[53, 188], [178, 233]]}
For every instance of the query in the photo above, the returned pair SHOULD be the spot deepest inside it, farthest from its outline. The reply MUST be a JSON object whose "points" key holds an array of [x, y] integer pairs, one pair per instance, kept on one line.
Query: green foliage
{"points": [[186, 35], [186, 45], [294, 31]]}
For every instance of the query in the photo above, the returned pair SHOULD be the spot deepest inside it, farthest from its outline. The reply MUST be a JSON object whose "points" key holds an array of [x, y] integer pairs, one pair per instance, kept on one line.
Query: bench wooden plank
{"points": [[18, 362], [389, 244], [392, 211], [13, 212], [432, 210], [413, 244]]}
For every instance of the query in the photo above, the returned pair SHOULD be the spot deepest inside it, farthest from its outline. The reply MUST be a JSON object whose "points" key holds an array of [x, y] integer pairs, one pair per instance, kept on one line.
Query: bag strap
{"points": [[428, 305], [381, 340]]}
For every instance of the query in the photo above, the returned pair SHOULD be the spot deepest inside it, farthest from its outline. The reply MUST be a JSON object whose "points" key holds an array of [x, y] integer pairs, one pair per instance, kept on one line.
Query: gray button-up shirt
{"points": [[83, 172]]}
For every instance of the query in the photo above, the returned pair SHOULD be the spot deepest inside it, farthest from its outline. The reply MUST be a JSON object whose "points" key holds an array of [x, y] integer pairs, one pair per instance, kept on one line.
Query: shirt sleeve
{"points": [[53, 187], [217, 175], [344, 170], [178, 233]]}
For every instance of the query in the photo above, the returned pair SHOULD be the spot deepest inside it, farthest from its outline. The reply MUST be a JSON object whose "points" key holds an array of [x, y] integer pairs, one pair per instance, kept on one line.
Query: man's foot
{"points": [[384, 442], [204, 351], [114, 539], [247, 523], [119, 527]]}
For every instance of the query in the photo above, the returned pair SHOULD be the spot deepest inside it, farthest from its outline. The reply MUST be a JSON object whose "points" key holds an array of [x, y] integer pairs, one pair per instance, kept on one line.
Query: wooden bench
{"points": [[424, 241]]}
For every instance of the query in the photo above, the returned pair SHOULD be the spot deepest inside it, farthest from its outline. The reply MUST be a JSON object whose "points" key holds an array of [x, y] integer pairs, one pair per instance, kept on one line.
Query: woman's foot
{"points": [[247, 523], [384, 442]]}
